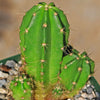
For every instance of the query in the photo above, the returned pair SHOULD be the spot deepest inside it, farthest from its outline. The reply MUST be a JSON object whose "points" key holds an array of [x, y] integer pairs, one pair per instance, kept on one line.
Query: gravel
{"points": [[3, 82], [7, 74]]}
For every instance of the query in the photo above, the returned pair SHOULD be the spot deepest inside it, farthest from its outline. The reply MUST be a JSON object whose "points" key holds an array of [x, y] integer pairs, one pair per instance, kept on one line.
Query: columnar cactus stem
{"points": [[47, 26]]}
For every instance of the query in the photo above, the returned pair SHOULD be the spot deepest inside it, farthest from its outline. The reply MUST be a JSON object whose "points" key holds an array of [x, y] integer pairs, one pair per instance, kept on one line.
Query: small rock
{"points": [[90, 96], [3, 75], [17, 67], [98, 95], [89, 90], [5, 68], [93, 93], [10, 63], [3, 91], [13, 72], [68, 99], [83, 90], [2, 82], [88, 85], [84, 95], [80, 98], [92, 86], [80, 92], [10, 78], [2, 96], [85, 87], [77, 96], [20, 62]]}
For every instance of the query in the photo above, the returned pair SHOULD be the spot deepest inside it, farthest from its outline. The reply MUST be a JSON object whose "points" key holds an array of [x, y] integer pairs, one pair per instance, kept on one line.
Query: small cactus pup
{"points": [[21, 88], [43, 33], [76, 68]]}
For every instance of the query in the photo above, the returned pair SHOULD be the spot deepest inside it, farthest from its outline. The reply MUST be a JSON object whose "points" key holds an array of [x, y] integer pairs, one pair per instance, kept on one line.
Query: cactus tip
{"points": [[28, 83], [77, 58], [74, 83], [23, 58], [42, 60], [23, 49], [62, 30], [84, 56], [55, 14], [46, 7], [25, 91], [89, 76], [22, 97], [42, 73], [65, 67], [26, 30], [79, 54], [15, 84], [62, 48], [44, 44], [34, 14], [87, 61], [44, 25], [79, 69], [71, 54]]}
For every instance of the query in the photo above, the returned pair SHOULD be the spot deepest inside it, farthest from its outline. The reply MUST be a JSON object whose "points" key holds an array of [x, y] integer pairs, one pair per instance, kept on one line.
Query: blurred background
{"points": [[83, 17]]}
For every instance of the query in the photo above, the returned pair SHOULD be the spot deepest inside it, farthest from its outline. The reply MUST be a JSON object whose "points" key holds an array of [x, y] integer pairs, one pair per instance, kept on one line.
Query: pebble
{"points": [[3, 97], [3, 82], [80, 98], [3, 91], [13, 72], [10, 63], [77, 96], [98, 95], [84, 90], [88, 85], [90, 96], [3, 75], [89, 90], [20, 62], [84, 95]]}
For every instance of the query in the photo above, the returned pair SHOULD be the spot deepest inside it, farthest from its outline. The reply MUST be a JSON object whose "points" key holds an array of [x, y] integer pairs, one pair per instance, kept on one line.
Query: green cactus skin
{"points": [[75, 71], [21, 88], [43, 34]]}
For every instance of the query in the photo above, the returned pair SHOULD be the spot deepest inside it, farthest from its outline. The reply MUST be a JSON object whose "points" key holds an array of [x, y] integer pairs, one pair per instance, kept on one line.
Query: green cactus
{"points": [[42, 33], [77, 69], [45, 55], [22, 88]]}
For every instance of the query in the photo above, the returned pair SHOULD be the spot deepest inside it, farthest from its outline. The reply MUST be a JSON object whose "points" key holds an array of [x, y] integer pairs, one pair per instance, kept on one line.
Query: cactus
{"points": [[42, 38], [58, 70], [77, 69], [22, 88]]}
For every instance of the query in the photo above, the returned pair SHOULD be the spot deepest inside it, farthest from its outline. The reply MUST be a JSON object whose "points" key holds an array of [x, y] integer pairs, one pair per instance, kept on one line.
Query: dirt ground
{"points": [[83, 17]]}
